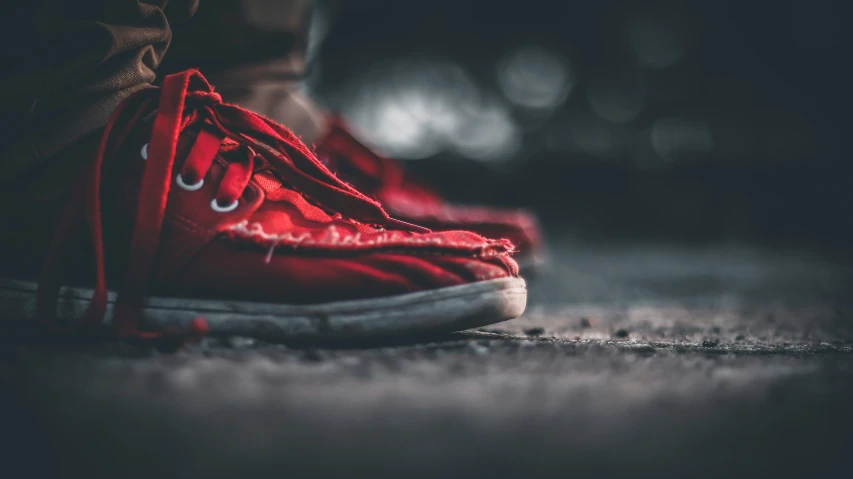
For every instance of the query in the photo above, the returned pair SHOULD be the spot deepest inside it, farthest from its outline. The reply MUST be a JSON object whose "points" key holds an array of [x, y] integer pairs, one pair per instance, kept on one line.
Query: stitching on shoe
{"points": [[255, 231]]}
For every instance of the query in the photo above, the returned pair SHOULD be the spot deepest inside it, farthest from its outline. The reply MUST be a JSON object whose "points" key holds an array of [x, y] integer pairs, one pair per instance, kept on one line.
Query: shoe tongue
{"points": [[268, 182]]}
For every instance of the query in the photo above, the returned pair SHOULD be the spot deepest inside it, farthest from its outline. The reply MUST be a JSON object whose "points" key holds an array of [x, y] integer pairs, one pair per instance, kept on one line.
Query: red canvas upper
{"points": [[410, 200], [188, 196]]}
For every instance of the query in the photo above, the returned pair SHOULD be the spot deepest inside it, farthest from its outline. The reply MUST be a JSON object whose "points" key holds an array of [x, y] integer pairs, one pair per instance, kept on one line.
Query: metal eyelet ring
{"points": [[214, 205], [144, 151], [180, 181]]}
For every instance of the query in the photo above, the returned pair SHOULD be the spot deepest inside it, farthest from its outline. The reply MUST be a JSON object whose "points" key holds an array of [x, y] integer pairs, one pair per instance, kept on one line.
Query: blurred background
{"points": [[665, 122], [689, 161]]}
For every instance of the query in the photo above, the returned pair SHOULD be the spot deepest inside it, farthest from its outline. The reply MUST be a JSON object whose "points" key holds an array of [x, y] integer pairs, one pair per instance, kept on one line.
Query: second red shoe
{"points": [[411, 200]]}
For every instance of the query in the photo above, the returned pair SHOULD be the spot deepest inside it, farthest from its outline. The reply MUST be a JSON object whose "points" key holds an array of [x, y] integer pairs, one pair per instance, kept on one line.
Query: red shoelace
{"points": [[184, 99]]}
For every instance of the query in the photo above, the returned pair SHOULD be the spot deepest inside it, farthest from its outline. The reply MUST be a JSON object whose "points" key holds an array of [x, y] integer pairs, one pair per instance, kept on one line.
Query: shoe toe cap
{"points": [[228, 268]]}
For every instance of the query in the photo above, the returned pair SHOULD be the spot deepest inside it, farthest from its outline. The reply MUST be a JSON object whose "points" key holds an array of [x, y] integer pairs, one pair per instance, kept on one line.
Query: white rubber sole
{"points": [[453, 308]]}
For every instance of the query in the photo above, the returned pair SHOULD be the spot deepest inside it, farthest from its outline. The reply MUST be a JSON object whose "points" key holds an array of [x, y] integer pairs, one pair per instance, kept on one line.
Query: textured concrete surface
{"points": [[723, 361]]}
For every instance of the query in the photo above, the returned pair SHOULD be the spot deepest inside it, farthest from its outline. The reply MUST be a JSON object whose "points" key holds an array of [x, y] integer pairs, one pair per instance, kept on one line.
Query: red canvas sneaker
{"points": [[410, 200], [195, 215]]}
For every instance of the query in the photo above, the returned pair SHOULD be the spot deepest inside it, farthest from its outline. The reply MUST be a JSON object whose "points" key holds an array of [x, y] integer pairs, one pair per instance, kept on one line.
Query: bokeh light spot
{"points": [[616, 96], [536, 78], [413, 109], [657, 39], [675, 138]]}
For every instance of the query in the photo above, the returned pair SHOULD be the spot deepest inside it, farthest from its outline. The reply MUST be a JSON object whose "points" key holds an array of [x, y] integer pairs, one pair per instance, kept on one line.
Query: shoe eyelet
{"points": [[214, 205], [180, 181], [144, 151]]}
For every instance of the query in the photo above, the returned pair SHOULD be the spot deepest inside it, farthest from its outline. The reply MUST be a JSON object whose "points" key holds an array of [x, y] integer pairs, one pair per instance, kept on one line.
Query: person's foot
{"points": [[407, 198], [190, 208]]}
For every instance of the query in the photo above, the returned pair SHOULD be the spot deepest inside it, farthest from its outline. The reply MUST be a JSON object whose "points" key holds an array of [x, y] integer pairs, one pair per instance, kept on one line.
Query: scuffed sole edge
{"points": [[448, 309]]}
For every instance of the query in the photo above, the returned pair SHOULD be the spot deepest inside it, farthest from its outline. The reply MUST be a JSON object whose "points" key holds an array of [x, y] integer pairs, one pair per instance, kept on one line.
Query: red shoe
{"points": [[409, 200], [198, 209]]}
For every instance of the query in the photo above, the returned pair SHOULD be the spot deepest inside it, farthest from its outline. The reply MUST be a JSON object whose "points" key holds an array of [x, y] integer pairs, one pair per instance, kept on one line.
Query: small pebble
{"points": [[534, 331], [585, 323], [238, 342], [312, 355]]}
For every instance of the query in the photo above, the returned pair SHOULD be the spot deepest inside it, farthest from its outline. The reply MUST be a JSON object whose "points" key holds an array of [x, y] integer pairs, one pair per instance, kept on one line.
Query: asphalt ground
{"points": [[631, 360]]}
